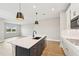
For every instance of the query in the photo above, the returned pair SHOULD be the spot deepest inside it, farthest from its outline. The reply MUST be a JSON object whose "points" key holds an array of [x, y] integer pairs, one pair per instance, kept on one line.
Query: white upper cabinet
{"points": [[68, 17], [74, 10], [71, 13]]}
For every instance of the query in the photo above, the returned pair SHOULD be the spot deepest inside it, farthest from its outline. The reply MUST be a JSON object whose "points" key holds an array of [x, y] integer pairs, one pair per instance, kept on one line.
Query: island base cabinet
{"points": [[35, 50], [20, 51]]}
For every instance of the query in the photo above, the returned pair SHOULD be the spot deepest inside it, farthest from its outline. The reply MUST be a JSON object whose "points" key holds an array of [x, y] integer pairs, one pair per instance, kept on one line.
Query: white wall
{"points": [[1, 30], [12, 34], [49, 27], [27, 30], [63, 22], [3, 34]]}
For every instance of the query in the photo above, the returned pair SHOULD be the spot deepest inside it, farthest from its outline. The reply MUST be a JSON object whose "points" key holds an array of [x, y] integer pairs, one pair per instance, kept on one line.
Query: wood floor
{"points": [[53, 49]]}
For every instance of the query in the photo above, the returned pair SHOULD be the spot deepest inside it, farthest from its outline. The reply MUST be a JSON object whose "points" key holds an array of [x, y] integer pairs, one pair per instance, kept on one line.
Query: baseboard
{"points": [[53, 40]]}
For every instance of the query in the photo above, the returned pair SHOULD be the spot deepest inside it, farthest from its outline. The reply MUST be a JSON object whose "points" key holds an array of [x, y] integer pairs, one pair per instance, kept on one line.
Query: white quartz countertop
{"points": [[70, 34], [26, 42]]}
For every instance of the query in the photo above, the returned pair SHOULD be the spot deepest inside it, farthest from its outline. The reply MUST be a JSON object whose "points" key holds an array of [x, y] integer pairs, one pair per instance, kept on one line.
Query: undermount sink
{"points": [[36, 38]]}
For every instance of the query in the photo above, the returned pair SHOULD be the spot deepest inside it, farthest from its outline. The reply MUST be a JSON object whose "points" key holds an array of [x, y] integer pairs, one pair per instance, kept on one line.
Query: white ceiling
{"points": [[9, 10]]}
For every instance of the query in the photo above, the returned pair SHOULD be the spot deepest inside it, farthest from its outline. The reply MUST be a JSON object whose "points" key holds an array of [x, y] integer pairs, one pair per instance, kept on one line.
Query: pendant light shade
{"points": [[36, 22], [19, 14]]}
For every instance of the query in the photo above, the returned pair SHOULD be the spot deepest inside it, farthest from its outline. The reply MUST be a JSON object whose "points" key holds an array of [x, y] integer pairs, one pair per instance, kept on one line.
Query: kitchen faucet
{"points": [[34, 32]]}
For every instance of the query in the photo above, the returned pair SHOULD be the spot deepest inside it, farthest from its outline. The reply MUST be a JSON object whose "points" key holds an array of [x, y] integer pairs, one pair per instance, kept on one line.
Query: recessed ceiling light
{"points": [[34, 6], [53, 9]]}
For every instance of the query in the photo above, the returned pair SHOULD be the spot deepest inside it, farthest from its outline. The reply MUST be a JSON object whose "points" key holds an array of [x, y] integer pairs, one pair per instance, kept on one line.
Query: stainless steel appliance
{"points": [[75, 23]]}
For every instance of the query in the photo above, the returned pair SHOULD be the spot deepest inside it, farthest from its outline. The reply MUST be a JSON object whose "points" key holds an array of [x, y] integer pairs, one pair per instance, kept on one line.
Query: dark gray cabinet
{"points": [[20, 51], [35, 50]]}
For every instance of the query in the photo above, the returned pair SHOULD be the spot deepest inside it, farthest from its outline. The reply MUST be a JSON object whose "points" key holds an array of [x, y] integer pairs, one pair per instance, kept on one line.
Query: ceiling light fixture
{"points": [[34, 6], [19, 15], [36, 21], [36, 13], [53, 9]]}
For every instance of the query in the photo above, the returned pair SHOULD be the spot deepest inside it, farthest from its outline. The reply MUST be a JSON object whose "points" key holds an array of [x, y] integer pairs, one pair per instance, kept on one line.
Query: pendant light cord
{"points": [[19, 7], [36, 13]]}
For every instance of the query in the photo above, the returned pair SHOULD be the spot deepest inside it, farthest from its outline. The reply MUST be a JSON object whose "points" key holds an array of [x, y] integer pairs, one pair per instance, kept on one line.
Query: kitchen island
{"points": [[28, 46]]}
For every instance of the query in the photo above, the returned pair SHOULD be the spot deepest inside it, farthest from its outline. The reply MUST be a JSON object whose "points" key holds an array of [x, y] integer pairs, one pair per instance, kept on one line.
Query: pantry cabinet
{"points": [[68, 47], [71, 13], [68, 18], [74, 10]]}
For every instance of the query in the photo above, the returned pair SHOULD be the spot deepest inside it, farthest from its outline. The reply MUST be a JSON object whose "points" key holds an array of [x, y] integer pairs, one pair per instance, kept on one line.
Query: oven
{"points": [[75, 23]]}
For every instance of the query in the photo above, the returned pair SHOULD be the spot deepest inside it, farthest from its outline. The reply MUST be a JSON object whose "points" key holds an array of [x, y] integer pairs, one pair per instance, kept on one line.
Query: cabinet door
{"points": [[41, 46], [20, 51], [33, 50], [38, 48], [70, 49], [68, 18], [65, 48], [74, 10], [73, 14]]}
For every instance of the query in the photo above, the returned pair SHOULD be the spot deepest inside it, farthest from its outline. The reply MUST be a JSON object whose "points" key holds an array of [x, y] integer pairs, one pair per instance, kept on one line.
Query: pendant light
{"points": [[36, 21], [19, 15]]}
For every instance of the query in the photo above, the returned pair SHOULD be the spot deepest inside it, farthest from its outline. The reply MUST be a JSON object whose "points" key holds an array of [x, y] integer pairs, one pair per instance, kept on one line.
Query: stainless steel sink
{"points": [[36, 38]]}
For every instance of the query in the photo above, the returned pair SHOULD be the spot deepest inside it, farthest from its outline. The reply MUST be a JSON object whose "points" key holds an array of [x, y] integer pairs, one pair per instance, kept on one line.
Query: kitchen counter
{"points": [[27, 46], [70, 47], [70, 34], [70, 42], [25, 42]]}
